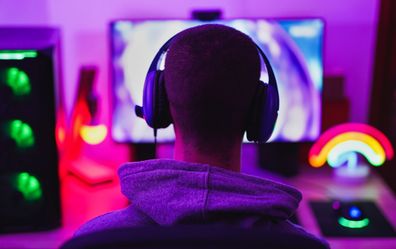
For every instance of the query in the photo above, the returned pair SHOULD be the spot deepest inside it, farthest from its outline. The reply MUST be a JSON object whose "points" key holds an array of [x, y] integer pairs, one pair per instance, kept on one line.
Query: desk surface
{"points": [[81, 203], [320, 184], [324, 186]]}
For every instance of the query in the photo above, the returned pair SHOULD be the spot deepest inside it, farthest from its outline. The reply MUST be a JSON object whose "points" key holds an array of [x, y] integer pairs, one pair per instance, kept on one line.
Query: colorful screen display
{"points": [[294, 48]]}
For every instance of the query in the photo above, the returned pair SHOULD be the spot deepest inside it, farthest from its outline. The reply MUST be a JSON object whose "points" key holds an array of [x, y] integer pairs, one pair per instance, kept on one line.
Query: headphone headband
{"points": [[156, 112], [164, 48]]}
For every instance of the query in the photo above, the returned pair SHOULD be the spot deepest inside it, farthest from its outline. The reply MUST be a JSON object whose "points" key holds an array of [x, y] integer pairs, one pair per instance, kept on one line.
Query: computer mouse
{"points": [[350, 214]]}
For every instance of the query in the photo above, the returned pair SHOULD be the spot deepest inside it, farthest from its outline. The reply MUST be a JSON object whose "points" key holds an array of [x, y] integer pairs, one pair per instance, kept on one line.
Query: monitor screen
{"points": [[294, 48]]}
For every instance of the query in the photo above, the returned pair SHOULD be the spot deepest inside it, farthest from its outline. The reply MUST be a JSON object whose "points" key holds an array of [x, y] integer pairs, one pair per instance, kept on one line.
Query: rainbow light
{"points": [[338, 142]]}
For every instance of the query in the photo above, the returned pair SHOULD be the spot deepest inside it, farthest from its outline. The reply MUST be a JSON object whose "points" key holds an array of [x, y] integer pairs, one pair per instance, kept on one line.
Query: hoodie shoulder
{"points": [[170, 192], [128, 217]]}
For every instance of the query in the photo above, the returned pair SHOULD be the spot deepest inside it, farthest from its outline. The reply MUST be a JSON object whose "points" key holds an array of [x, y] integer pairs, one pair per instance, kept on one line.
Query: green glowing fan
{"points": [[21, 133], [29, 186], [18, 81]]}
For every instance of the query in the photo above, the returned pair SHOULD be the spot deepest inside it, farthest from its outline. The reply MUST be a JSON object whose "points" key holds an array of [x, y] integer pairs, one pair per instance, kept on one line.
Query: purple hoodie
{"points": [[167, 192]]}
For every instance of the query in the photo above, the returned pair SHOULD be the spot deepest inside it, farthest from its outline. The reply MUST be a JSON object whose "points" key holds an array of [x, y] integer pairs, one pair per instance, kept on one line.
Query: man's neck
{"points": [[227, 158]]}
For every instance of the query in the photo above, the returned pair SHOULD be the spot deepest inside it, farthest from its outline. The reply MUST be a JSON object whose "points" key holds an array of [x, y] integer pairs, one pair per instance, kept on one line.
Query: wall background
{"points": [[349, 36]]}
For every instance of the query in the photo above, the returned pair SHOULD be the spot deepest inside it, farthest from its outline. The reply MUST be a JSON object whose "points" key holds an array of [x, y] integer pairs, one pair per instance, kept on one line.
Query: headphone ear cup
{"points": [[252, 132], [270, 114], [155, 101], [148, 98], [263, 114], [162, 113]]}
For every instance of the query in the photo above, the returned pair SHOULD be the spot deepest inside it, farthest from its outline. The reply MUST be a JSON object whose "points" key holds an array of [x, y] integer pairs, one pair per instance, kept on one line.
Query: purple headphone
{"points": [[155, 109]]}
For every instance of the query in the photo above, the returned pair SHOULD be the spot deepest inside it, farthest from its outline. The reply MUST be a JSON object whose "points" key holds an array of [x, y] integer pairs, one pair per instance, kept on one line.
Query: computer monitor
{"points": [[294, 48]]}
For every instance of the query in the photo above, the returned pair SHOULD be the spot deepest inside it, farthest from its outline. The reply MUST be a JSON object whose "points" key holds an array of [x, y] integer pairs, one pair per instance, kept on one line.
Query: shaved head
{"points": [[211, 74]]}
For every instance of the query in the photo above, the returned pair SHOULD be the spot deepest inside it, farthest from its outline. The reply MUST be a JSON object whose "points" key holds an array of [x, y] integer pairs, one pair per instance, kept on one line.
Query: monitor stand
{"points": [[281, 158], [141, 152]]}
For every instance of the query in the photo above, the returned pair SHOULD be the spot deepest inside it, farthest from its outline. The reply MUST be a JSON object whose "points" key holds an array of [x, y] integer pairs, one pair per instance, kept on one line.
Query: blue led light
{"points": [[355, 212]]}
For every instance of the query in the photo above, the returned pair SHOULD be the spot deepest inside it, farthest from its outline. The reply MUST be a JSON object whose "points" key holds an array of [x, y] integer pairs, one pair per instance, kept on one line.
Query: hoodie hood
{"points": [[170, 192]]}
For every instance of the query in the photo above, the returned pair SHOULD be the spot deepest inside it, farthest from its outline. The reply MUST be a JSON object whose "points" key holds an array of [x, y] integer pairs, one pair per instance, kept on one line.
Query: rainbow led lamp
{"points": [[341, 146]]}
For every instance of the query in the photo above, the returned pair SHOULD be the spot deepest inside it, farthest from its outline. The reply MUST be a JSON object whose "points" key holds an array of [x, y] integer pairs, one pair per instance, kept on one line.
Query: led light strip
{"points": [[17, 54]]}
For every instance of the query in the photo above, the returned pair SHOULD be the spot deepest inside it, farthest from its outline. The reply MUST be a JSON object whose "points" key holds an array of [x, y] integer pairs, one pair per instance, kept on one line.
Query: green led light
{"points": [[29, 186], [18, 81], [22, 133], [353, 223], [17, 54]]}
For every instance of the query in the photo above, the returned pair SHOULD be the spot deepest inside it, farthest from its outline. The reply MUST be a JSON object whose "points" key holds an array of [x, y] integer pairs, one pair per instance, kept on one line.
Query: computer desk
{"points": [[321, 184], [81, 202]]}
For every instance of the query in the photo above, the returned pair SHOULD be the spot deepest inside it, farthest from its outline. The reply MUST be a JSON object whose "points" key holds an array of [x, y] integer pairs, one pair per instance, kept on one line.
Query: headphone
{"points": [[155, 109]]}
